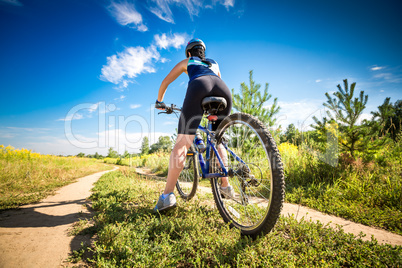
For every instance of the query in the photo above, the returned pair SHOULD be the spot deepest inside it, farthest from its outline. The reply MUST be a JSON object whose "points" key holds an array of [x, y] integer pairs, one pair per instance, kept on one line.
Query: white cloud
{"points": [[135, 106], [121, 98], [386, 76], [5, 135], [299, 113], [167, 123], [362, 117], [11, 2], [93, 107], [377, 68], [390, 75], [123, 85], [122, 140], [62, 146], [86, 110], [12, 132], [53, 145], [129, 63], [40, 130], [162, 11], [85, 140], [175, 40], [71, 117], [161, 8], [228, 3], [133, 61], [192, 6], [318, 80], [126, 14], [164, 60]]}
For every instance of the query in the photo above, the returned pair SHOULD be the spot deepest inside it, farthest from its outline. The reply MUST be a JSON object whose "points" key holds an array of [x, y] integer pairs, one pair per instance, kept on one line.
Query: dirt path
{"points": [[37, 235], [382, 236]]}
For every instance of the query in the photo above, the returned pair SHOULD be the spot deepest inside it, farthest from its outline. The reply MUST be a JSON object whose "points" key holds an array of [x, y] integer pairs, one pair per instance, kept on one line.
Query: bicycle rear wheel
{"points": [[256, 175], [187, 182]]}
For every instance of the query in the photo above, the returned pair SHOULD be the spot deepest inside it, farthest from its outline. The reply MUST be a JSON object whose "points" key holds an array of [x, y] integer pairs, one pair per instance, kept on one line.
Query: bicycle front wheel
{"points": [[187, 182], [255, 173]]}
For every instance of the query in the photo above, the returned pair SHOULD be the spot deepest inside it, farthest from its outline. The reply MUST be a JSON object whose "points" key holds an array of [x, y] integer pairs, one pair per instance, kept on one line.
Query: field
{"points": [[367, 193], [129, 234], [158, 162], [26, 176]]}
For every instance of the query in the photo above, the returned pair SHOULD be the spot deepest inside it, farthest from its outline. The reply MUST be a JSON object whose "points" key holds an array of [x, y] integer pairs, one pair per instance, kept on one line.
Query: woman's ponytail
{"points": [[200, 53], [207, 62]]}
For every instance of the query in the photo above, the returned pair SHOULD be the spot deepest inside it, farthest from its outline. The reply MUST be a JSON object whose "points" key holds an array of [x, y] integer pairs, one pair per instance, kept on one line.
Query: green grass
{"points": [[368, 193], [349, 203], [157, 162], [129, 234], [204, 182], [27, 177]]}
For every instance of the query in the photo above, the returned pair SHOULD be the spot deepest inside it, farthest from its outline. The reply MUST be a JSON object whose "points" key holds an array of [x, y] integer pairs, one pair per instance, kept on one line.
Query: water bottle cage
{"points": [[201, 150], [199, 143]]}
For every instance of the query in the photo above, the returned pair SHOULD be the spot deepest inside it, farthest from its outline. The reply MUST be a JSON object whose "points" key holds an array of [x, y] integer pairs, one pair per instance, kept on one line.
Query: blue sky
{"points": [[82, 75]]}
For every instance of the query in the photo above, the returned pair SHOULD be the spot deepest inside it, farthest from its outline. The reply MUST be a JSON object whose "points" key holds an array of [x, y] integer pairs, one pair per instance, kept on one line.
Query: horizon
{"points": [[82, 76]]}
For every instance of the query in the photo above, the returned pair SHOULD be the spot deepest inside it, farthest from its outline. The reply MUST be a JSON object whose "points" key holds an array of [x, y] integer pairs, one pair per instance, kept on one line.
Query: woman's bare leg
{"points": [[223, 154], [177, 160]]}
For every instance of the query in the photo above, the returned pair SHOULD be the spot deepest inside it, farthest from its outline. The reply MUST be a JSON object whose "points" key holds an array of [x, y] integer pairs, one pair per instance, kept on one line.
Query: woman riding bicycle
{"points": [[204, 81]]}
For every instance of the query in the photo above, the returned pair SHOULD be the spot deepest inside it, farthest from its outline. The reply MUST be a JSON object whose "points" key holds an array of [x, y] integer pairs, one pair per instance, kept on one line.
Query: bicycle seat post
{"points": [[211, 120], [211, 106]]}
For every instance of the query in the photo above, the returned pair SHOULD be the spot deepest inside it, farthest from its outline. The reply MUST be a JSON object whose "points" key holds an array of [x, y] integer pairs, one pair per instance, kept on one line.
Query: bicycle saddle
{"points": [[212, 105]]}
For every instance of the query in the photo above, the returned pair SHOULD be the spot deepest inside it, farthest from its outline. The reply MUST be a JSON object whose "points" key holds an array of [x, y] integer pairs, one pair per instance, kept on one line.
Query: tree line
{"points": [[164, 143], [344, 108]]}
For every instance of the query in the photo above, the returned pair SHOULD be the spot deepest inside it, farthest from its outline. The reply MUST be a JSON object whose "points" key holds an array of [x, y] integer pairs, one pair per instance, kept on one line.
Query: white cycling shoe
{"points": [[166, 203], [227, 192]]}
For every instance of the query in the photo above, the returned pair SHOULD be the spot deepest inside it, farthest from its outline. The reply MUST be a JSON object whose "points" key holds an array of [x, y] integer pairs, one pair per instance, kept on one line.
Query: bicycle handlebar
{"points": [[170, 109]]}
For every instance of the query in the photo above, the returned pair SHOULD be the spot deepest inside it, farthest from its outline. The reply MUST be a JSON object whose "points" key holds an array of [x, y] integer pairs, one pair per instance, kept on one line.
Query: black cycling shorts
{"points": [[198, 89]]}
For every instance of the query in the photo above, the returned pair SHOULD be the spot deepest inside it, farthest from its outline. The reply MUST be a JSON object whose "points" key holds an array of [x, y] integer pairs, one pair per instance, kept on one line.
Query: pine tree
{"points": [[164, 143], [112, 153], [345, 110], [292, 135], [126, 154], [145, 146], [251, 101], [388, 118]]}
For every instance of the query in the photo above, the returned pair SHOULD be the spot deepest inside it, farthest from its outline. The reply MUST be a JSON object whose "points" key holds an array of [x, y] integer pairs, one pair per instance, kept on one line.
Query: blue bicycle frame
{"points": [[206, 164]]}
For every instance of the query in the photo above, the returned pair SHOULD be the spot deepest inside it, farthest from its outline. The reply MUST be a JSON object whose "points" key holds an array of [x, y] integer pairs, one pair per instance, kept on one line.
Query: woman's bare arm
{"points": [[180, 68]]}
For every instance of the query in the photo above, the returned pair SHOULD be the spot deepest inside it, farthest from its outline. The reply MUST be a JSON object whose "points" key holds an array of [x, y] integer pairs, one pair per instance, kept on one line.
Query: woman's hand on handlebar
{"points": [[160, 105], [166, 109]]}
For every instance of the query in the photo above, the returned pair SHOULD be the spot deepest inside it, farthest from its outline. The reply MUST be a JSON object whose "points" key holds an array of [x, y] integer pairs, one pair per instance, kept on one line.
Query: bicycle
{"points": [[251, 161]]}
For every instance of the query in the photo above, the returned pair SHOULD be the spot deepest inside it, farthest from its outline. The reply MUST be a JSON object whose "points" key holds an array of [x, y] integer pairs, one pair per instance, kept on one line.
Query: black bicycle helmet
{"points": [[194, 42]]}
